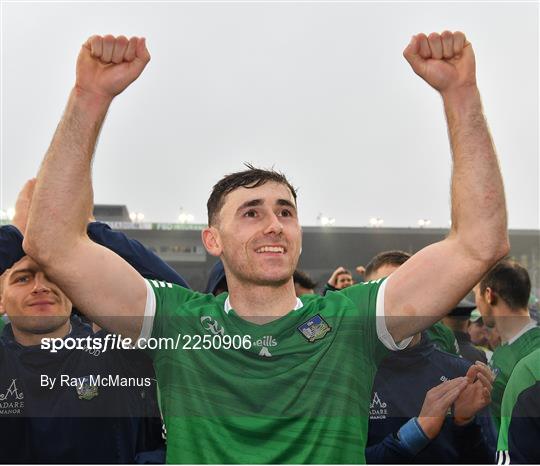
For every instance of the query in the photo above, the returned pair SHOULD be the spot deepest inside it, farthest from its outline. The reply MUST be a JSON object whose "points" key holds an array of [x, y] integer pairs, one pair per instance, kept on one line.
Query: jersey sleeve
{"points": [[520, 414], [162, 315], [368, 297]]}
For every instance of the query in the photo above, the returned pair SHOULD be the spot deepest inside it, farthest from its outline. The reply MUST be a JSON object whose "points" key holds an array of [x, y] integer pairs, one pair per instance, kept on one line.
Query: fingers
{"points": [[110, 49], [459, 42], [436, 46], [142, 53], [486, 370], [445, 387], [95, 45], [447, 41], [485, 382], [120, 48], [412, 51], [439, 398], [27, 190], [131, 49], [425, 51], [472, 372]]}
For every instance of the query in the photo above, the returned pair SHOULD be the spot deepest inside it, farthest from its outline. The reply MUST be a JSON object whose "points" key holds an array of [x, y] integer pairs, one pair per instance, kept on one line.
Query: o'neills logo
{"points": [[265, 341], [11, 400], [377, 408]]}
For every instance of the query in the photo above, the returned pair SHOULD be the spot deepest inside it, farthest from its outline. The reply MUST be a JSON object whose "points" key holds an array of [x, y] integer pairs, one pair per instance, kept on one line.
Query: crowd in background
{"points": [[412, 416]]}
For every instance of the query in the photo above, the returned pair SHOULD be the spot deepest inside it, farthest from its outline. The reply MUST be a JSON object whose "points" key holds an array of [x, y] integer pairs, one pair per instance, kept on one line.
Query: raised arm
{"points": [[100, 283], [432, 282]]}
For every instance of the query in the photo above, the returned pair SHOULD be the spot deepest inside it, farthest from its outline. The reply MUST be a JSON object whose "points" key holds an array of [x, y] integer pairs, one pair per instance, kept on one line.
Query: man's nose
{"points": [[274, 226], [41, 285]]}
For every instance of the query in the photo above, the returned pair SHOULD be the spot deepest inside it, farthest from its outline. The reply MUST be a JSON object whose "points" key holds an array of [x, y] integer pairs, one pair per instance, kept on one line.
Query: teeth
{"points": [[271, 249]]}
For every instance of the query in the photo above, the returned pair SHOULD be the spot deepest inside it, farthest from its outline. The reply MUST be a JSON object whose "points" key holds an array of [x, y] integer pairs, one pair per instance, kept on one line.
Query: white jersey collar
{"points": [[227, 305], [525, 329]]}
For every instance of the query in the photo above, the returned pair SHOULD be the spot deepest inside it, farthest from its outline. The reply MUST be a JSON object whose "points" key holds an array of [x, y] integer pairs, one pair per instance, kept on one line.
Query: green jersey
{"points": [[293, 390], [443, 338], [505, 358], [520, 414]]}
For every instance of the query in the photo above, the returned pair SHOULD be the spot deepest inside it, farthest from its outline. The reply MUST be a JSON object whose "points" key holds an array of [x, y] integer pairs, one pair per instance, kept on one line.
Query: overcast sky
{"points": [[320, 91]]}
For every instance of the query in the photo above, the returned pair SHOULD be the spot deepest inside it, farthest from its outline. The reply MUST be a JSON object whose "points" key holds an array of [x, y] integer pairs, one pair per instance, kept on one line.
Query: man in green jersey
{"points": [[520, 414], [502, 297], [259, 375]]}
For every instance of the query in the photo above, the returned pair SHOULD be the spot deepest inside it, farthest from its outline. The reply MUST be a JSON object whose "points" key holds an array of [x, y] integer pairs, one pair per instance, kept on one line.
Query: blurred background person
{"points": [[458, 322], [502, 297], [303, 284], [409, 421], [340, 279]]}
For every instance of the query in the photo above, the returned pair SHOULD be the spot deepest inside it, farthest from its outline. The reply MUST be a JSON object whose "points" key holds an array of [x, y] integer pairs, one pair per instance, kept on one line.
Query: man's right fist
{"points": [[108, 64]]}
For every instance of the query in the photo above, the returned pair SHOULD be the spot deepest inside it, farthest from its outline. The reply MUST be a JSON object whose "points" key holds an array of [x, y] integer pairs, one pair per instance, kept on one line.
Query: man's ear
{"points": [[2, 309], [212, 241], [490, 296]]}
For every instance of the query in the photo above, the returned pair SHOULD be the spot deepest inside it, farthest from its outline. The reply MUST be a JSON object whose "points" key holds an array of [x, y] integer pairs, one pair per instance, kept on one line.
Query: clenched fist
{"points": [[107, 65], [445, 61]]}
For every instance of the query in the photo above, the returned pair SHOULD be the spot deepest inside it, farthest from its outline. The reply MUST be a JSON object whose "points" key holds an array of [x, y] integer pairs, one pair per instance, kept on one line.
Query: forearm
{"points": [[478, 202], [63, 195], [399, 447]]}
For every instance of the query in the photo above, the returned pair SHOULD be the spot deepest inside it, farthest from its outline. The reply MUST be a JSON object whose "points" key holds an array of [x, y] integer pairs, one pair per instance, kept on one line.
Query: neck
{"points": [[26, 338], [261, 304], [509, 322]]}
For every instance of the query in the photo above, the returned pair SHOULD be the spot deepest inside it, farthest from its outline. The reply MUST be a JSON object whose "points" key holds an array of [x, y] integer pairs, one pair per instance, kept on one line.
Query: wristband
{"points": [[412, 437]]}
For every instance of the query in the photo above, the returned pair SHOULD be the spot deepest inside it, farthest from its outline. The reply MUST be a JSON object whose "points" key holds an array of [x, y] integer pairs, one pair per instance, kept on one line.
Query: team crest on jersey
{"points": [[86, 391], [315, 328]]}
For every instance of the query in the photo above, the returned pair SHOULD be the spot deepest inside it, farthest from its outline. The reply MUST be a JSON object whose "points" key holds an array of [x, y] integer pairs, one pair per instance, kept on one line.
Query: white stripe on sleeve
{"points": [[382, 331], [149, 312]]}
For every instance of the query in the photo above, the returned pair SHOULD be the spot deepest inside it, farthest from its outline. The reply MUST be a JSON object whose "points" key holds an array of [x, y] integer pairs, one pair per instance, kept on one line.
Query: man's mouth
{"points": [[271, 249], [41, 303]]}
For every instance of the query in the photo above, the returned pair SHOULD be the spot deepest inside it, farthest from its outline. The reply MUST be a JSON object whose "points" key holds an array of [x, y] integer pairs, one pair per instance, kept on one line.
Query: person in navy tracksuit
{"points": [[415, 391], [398, 395], [84, 423]]}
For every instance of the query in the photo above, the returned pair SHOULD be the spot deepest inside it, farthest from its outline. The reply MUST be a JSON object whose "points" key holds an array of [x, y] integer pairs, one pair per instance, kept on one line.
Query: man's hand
{"points": [[436, 404], [476, 396], [22, 205], [332, 281], [108, 65], [445, 61]]}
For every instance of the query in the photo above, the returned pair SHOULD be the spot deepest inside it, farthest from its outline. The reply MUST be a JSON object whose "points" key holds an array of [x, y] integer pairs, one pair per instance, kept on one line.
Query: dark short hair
{"points": [[250, 178], [394, 257], [344, 272], [510, 281], [303, 279]]}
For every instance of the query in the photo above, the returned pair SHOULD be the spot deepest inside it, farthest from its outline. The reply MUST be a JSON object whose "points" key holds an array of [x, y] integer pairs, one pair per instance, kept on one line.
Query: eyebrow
{"points": [[18, 271], [258, 202]]}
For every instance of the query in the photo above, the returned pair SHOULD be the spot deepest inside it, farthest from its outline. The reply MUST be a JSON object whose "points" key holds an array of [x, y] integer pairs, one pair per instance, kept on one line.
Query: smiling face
{"points": [[344, 280], [34, 305], [257, 234]]}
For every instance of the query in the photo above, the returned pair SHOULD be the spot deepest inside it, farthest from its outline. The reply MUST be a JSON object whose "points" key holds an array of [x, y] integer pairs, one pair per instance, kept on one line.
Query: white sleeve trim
{"points": [[382, 331], [149, 313]]}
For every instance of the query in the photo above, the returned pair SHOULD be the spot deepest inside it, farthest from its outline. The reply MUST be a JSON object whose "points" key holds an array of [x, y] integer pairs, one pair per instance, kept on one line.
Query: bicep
{"points": [[426, 287], [102, 286]]}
